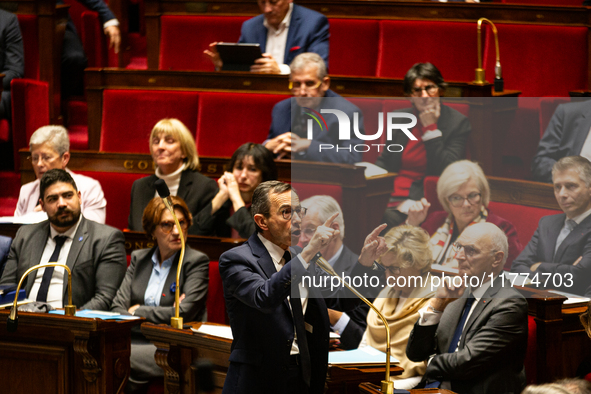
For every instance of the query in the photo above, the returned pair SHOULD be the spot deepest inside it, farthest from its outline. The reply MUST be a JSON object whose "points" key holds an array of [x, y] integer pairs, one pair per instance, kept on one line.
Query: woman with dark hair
{"points": [[228, 214], [148, 289], [441, 132]]}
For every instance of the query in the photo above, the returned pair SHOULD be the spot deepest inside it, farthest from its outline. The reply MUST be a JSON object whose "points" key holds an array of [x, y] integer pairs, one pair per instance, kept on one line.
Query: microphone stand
{"points": [[387, 386], [69, 309], [480, 72], [176, 321]]}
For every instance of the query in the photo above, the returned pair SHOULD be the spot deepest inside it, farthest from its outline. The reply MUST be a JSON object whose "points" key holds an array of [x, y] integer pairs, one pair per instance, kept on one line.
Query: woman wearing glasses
{"points": [[408, 290], [464, 193], [148, 289], [441, 134]]}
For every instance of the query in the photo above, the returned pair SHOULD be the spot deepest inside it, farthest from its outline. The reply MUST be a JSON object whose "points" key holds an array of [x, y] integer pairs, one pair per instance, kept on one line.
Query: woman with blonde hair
{"points": [[176, 160], [407, 263], [464, 193]]}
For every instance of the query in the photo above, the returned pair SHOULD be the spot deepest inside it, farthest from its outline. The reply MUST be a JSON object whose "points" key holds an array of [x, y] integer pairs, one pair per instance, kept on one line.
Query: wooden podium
{"points": [[178, 349], [61, 354]]}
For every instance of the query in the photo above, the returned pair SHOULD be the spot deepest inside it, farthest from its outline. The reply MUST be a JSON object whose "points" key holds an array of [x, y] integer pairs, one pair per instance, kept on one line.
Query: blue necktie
{"points": [[48, 273], [298, 318], [453, 345]]}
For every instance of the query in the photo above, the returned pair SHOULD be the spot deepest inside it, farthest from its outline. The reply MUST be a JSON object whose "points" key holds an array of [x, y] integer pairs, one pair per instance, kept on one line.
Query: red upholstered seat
{"points": [[574, 3], [30, 33], [530, 361], [527, 65], [228, 120], [216, 305], [184, 38], [117, 189], [306, 190], [353, 46], [450, 46], [130, 115]]}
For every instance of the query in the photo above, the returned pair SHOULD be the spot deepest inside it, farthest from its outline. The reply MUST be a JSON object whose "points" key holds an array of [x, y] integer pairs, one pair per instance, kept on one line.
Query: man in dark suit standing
{"points": [[95, 253], [288, 135], [349, 325], [279, 320], [12, 57], [473, 334], [560, 249], [567, 134], [283, 30]]}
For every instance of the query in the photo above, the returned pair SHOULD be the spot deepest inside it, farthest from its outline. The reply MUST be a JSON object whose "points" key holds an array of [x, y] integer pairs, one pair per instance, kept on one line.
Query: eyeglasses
{"points": [[44, 158], [430, 89], [394, 270], [308, 85], [287, 212], [457, 201], [168, 226], [469, 251]]}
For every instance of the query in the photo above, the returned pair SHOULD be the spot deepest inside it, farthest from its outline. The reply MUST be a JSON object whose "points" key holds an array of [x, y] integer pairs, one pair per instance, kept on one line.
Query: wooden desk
{"points": [[178, 349], [369, 388], [61, 354]]}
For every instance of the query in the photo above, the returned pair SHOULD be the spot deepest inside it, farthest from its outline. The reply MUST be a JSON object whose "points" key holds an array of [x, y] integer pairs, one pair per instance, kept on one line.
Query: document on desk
{"points": [[215, 330], [90, 314], [367, 356], [572, 298]]}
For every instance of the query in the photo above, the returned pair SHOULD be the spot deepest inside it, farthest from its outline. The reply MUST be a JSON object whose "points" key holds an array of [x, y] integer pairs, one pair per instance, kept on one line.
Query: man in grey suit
{"points": [[559, 252], [94, 252], [474, 338]]}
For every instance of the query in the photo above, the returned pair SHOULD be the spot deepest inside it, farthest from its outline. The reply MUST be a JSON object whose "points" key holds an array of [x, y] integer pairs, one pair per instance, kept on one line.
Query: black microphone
{"points": [[161, 188]]}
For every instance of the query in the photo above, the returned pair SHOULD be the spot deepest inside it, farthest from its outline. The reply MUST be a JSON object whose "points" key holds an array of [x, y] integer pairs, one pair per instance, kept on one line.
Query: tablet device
{"points": [[238, 57]]}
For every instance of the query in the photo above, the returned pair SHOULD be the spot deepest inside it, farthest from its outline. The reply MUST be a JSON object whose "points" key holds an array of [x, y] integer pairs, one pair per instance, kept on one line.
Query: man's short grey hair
{"points": [[304, 60], [498, 239], [580, 164], [326, 206], [56, 136]]}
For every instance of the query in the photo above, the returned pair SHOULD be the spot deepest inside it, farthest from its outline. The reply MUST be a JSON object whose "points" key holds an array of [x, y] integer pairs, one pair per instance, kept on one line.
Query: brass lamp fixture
{"points": [[387, 386], [69, 309], [480, 72]]}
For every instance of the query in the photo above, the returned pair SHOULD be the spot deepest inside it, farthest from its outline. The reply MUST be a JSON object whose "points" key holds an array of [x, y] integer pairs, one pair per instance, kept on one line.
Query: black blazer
{"points": [[564, 136], [221, 223], [261, 320], [196, 189], [441, 152], [541, 249], [489, 359], [12, 56], [194, 282]]}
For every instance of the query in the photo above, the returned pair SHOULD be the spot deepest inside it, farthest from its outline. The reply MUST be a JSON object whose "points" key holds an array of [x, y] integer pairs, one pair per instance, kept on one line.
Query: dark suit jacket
{"points": [[282, 123], [12, 56], [441, 151], [4, 249], [564, 136], [197, 190], [261, 320], [308, 32], [98, 6], [489, 359], [436, 219], [541, 249], [194, 281], [353, 333], [221, 223], [97, 260]]}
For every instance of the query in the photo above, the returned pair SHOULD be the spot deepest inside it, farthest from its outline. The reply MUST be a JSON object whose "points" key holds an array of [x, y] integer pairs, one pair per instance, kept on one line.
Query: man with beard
{"points": [[279, 320], [94, 252]]}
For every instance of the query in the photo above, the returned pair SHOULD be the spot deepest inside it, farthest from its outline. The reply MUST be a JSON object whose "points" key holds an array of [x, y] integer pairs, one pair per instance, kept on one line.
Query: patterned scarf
{"points": [[442, 253]]}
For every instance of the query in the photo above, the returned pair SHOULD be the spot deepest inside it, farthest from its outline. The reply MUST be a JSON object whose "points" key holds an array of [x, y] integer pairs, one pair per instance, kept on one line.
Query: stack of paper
{"points": [[367, 356]]}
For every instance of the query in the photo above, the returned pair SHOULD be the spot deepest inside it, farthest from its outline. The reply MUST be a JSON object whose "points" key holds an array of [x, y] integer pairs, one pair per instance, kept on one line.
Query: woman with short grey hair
{"points": [[464, 193]]}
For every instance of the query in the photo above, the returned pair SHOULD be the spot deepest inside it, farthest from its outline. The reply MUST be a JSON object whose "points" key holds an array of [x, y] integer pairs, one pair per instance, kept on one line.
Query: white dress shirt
{"points": [[56, 286], [277, 256], [277, 40]]}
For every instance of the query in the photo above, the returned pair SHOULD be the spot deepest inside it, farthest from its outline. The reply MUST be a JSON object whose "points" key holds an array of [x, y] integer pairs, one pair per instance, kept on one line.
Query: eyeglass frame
{"points": [[184, 226], [471, 200], [307, 88], [43, 160], [418, 92], [301, 211]]}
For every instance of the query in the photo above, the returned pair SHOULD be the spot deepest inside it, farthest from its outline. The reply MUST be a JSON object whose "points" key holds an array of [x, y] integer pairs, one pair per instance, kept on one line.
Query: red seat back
{"points": [[353, 36], [528, 67], [306, 190], [129, 116], [450, 46], [228, 120], [216, 304], [184, 38], [370, 109], [30, 33]]}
